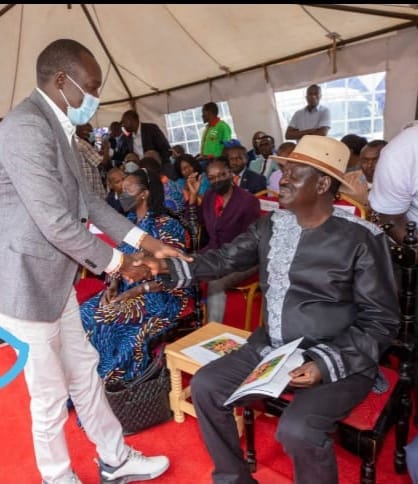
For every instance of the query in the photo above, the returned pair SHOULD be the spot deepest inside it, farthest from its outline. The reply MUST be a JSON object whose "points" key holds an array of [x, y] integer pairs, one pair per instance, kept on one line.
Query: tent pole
{"points": [[109, 55]]}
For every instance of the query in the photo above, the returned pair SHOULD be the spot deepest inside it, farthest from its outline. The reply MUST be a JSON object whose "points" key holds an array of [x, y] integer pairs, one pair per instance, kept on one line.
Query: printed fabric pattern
{"points": [[283, 245], [121, 333]]}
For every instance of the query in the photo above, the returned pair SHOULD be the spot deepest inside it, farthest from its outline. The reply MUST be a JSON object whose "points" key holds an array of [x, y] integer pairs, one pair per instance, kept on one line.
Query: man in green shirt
{"points": [[216, 132]]}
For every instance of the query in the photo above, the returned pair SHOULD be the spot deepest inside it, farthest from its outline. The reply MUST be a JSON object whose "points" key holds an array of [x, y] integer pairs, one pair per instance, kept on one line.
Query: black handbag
{"points": [[142, 402]]}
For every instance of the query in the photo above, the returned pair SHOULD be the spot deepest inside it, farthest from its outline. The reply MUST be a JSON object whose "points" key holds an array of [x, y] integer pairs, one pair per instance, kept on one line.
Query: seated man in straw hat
{"points": [[326, 275]]}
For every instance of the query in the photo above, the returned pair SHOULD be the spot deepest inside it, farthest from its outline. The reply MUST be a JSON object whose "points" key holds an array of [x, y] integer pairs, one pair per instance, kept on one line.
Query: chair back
{"points": [[96, 231], [365, 428], [269, 200], [353, 206]]}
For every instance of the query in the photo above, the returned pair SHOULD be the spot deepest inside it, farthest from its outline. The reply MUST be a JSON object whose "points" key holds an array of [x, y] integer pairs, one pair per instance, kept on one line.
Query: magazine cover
{"points": [[271, 376], [214, 348]]}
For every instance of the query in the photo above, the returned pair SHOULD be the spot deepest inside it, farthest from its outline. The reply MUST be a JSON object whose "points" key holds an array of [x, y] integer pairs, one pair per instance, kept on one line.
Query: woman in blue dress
{"points": [[122, 320], [185, 166]]}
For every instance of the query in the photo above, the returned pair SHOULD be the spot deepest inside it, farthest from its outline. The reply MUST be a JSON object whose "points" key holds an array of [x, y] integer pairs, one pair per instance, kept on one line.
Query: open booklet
{"points": [[271, 376]]}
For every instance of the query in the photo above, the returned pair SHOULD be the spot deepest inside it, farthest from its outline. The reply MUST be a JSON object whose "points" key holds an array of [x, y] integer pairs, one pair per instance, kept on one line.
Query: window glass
{"points": [[186, 127], [356, 105]]}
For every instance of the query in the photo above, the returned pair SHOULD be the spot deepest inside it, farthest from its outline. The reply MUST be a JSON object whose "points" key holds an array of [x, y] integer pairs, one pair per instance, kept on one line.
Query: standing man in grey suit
{"points": [[44, 204]]}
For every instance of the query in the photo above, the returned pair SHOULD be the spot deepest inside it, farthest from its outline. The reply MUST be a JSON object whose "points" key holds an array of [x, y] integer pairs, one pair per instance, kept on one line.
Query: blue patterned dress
{"points": [[121, 333]]}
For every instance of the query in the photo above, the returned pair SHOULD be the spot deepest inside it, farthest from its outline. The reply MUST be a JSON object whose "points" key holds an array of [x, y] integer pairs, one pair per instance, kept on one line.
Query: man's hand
{"points": [[128, 294], [108, 294], [133, 270], [305, 376], [162, 251], [156, 266]]}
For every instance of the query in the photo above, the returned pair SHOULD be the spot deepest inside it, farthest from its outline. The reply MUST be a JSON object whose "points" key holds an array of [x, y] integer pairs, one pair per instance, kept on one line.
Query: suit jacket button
{"points": [[83, 220]]}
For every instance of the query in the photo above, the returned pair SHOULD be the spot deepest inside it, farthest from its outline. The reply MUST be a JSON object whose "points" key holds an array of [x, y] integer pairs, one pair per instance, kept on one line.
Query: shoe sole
{"points": [[134, 478]]}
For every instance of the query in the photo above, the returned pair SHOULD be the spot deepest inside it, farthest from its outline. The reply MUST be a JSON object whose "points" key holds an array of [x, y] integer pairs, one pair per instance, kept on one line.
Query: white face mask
{"points": [[82, 114], [130, 167]]}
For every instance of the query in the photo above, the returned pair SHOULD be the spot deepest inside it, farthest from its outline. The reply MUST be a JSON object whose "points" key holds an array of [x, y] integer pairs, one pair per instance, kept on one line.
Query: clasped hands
{"points": [[139, 267], [133, 269]]}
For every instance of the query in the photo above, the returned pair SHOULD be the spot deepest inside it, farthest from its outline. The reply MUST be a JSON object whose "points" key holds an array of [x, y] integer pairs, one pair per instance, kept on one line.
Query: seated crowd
{"points": [[217, 197], [325, 275]]}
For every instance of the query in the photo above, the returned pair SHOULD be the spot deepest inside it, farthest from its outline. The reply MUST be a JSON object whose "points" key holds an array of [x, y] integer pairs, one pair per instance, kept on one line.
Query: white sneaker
{"points": [[136, 467]]}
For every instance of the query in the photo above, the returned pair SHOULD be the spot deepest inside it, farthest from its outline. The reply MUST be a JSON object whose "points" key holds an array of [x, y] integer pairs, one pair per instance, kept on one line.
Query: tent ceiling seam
{"points": [[139, 78], [334, 36], [221, 67], [298, 55], [329, 33], [105, 48], [363, 11], [7, 8]]}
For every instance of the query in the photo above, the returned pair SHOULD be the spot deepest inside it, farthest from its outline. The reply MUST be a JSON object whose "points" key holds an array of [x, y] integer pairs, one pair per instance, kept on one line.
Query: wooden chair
{"points": [[250, 287], [347, 203], [363, 431], [88, 284], [269, 200]]}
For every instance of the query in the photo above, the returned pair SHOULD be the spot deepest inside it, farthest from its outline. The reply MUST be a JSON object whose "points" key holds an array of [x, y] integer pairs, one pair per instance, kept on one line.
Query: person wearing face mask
{"points": [[142, 307], [226, 211], [43, 241]]}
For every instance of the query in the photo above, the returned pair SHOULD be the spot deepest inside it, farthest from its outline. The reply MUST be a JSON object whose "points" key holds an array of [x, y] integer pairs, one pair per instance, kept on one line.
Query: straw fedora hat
{"points": [[323, 153]]}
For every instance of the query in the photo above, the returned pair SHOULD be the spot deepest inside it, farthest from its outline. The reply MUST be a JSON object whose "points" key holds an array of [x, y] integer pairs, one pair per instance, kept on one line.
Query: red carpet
{"points": [[190, 463]]}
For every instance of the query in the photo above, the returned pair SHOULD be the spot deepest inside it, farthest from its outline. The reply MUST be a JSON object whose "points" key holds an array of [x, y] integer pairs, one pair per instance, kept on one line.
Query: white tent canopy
{"points": [[166, 57]]}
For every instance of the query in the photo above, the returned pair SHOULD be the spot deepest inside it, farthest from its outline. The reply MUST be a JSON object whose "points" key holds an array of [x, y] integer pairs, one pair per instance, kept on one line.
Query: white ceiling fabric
{"points": [[158, 48]]}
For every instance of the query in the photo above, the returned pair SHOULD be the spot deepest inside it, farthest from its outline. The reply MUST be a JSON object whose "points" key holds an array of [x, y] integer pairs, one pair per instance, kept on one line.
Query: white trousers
{"points": [[63, 363]]}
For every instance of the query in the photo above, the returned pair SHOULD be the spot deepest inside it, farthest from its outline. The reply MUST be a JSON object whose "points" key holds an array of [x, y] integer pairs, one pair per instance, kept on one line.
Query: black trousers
{"points": [[305, 427]]}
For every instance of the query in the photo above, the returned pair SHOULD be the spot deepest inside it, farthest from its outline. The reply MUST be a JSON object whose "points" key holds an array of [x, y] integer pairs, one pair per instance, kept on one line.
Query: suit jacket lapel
{"points": [[70, 153]]}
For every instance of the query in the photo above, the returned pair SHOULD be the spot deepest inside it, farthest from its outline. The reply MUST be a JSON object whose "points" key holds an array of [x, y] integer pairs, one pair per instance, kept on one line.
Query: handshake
{"points": [[138, 267]]}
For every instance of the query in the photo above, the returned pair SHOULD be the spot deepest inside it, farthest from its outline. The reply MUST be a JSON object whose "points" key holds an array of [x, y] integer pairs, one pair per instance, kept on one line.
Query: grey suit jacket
{"points": [[44, 203]]}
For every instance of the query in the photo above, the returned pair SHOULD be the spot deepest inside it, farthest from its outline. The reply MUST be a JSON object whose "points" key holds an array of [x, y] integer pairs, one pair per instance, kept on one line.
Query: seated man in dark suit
{"points": [[326, 275], [243, 177], [140, 138]]}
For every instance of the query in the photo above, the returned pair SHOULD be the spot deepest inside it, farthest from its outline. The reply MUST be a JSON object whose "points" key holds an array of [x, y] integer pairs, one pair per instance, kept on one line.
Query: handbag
{"points": [[142, 402]]}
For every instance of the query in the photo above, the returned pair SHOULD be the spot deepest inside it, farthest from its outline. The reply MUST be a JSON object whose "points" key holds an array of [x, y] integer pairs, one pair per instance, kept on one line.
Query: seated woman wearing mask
{"points": [[122, 320], [225, 212]]}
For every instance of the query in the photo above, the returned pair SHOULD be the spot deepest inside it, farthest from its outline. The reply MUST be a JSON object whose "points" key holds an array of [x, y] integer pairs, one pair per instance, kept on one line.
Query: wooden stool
{"points": [[178, 362]]}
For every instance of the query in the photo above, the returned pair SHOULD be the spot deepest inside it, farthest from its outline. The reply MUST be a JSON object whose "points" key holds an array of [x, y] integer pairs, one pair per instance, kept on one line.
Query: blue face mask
{"points": [[86, 111]]}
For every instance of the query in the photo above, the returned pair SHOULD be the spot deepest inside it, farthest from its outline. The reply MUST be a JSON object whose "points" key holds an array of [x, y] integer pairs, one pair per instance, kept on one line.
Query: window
{"points": [[356, 105], [186, 127]]}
